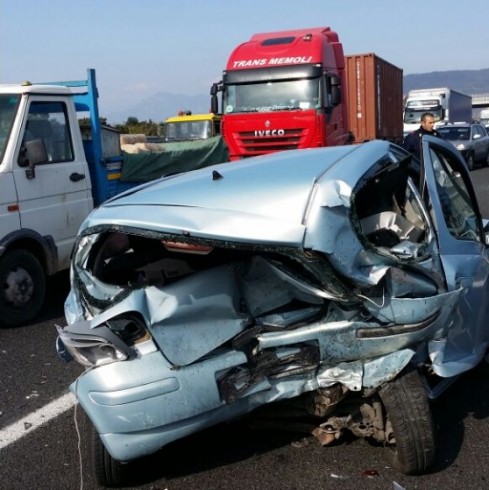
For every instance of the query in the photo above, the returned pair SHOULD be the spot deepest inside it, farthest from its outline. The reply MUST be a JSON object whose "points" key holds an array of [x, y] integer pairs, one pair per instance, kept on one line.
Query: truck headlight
{"points": [[460, 146]]}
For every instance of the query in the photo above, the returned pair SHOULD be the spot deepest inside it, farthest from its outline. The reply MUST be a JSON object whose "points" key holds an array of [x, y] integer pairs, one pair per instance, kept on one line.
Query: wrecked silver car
{"points": [[350, 280]]}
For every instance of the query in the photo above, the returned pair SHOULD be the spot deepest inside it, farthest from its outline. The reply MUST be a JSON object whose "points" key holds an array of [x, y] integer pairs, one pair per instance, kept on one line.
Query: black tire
{"points": [[470, 162], [486, 161], [407, 408], [107, 471], [22, 288]]}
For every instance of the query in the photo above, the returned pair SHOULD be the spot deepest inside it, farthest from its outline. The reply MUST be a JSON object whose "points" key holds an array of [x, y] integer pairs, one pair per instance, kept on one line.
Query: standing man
{"points": [[412, 142]]}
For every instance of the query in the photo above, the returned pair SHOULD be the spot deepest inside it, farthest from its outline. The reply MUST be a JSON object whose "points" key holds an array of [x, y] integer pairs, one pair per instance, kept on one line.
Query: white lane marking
{"points": [[29, 423]]}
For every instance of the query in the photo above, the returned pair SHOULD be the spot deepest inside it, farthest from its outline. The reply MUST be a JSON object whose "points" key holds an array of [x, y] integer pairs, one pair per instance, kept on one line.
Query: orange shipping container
{"points": [[374, 92]]}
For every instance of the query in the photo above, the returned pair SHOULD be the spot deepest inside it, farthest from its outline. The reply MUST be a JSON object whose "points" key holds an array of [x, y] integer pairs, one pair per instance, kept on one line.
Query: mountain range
{"points": [[165, 104]]}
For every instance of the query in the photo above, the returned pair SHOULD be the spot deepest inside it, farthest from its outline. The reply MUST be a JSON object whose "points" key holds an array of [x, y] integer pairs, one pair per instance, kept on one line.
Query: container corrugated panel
{"points": [[374, 95]]}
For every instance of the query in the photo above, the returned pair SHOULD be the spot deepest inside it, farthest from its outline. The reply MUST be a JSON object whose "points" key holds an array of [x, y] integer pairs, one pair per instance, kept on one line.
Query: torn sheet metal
{"points": [[447, 363], [338, 239], [341, 340], [293, 272], [357, 375], [196, 315], [410, 310]]}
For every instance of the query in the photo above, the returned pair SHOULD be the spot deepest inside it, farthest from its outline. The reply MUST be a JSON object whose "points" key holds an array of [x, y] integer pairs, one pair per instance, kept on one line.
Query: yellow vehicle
{"points": [[189, 127]]}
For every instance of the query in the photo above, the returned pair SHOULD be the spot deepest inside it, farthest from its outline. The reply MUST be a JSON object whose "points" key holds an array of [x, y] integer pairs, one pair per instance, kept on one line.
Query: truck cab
{"points": [[189, 127], [50, 180], [446, 105], [283, 90]]}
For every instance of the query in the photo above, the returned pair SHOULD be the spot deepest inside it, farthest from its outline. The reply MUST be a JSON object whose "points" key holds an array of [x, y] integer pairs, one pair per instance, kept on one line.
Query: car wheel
{"points": [[413, 446], [470, 162], [107, 471], [22, 287], [486, 161]]}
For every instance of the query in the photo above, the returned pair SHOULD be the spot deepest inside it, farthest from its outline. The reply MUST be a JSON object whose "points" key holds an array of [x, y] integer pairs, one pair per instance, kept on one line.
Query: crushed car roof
{"points": [[267, 199]]}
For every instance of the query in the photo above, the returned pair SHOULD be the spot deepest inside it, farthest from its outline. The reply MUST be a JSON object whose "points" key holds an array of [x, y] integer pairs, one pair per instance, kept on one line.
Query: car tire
{"points": [[22, 287], [407, 409], [470, 162], [486, 161], [107, 471]]}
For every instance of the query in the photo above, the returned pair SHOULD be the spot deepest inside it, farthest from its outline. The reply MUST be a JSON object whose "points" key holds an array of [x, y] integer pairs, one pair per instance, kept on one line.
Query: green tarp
{"points": [[176, 158]]}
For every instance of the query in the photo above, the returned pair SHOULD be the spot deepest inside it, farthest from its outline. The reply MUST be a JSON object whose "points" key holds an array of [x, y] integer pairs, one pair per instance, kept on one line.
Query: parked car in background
{"points": [[350, 282], [471, 139]]}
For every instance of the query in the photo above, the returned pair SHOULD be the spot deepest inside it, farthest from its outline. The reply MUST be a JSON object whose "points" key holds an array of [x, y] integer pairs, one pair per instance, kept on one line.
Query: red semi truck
{"points": [[288, 90]]}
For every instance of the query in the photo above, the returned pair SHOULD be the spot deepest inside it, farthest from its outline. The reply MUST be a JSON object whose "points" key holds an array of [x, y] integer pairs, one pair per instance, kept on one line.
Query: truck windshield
{"points": [[8, 109], [272, 96], [413, 114], [188, 130]]}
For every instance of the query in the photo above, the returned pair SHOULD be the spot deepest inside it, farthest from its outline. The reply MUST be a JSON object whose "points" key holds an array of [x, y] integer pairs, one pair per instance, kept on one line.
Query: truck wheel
{"points": [[108, 472], [22, 288], [470, 162], [407, 409]]}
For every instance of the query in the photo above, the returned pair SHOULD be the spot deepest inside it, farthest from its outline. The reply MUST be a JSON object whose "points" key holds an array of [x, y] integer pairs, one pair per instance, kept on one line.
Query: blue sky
{"points": [[141, 47]]}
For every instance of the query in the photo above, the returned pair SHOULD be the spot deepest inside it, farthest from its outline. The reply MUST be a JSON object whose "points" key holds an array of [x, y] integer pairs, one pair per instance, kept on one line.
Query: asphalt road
{"points": [[231, 456]]}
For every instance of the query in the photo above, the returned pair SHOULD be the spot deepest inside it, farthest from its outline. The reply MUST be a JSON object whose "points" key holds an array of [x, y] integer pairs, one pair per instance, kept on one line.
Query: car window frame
{"points": [[432, 197]]}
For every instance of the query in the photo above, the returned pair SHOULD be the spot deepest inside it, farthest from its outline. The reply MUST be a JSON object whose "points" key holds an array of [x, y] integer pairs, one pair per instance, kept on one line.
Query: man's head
{"points": [[428, 122]]}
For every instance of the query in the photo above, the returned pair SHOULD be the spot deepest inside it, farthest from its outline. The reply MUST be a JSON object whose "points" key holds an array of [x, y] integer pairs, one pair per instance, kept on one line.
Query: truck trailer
{"points": [[374, 98], [446, 105]]}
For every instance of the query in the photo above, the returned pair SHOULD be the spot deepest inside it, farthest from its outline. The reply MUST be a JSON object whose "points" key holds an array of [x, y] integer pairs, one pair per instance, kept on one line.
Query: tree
{"points": [[134, 126]]}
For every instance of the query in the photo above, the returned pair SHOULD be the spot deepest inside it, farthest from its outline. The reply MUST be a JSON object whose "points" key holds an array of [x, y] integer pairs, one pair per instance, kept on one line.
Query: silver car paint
{"points": [[295, 199]]}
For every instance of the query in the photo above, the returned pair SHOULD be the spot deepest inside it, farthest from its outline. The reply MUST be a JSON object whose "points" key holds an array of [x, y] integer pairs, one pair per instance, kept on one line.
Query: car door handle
{"points": [[75, 177]]}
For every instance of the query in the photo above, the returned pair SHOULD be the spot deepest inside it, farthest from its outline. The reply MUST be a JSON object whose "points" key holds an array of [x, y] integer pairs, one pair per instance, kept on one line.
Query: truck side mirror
{"points": [[215, 89], [335, 90], [214, 104], [31, 153], [332, 92]]}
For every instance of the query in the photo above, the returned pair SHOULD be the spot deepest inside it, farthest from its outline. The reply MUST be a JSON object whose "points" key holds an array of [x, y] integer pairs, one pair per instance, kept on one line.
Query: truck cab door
{"points": [[463, 254], [54, 195]]}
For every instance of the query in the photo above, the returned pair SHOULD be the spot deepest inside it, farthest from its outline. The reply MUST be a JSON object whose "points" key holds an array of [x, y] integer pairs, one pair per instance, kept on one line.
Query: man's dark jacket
{"points": [[412, 142]]}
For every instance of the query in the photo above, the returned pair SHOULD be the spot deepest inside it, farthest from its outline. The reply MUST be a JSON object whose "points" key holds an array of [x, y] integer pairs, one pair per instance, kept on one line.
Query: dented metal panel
{"points": [[311, 274]]}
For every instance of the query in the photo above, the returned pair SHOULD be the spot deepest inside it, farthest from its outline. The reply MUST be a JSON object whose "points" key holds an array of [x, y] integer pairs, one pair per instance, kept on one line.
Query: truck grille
{"points": [[252, 145]]}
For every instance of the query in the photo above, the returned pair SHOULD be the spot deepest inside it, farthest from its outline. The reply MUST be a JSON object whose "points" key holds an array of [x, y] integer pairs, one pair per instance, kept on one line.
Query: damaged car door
{"points": [[464, 258]]}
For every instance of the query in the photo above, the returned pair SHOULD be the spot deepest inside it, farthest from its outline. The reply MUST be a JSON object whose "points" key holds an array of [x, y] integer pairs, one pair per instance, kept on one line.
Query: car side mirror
{"points": [[485, 230]]}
